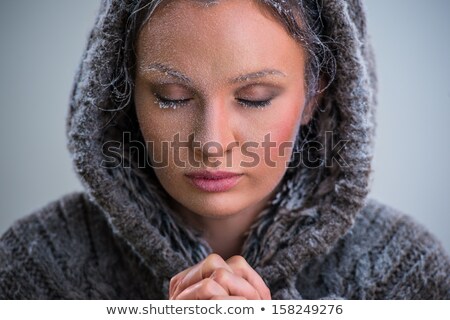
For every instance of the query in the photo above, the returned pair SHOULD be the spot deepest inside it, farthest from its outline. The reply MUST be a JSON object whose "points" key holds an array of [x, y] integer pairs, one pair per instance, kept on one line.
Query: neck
{"points": [[225, 235]]}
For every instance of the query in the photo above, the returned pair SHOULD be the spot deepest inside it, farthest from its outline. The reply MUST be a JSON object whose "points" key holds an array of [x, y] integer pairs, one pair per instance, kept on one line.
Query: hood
{"points": [[313, 208]]}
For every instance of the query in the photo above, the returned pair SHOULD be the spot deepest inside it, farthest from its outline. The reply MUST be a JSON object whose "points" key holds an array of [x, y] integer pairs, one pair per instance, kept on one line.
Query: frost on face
{"points": [[166, 104]]}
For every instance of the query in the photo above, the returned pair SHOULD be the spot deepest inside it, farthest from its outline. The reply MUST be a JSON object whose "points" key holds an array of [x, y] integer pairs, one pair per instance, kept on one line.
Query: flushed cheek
{"points": [[278, 138], [284, 138]]}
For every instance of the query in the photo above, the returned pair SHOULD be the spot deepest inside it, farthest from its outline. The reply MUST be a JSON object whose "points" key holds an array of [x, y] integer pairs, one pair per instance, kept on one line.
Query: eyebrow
{"points": [[258, 75], [168, 71], [241, 78]]}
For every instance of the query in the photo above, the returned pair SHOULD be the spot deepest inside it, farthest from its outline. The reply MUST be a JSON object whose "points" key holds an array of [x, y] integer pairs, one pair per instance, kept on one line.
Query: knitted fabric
{"points": [[320, 237]]}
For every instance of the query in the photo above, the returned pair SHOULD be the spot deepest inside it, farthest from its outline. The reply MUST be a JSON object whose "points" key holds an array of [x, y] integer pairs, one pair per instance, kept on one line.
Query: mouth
{"points": [[214, 181]]}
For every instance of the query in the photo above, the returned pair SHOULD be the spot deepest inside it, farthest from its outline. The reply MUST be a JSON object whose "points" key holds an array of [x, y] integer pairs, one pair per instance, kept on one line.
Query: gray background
{"points": [[42, 42]]}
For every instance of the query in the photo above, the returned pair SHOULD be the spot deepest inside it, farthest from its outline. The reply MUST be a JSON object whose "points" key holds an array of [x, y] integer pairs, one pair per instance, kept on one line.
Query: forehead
{"points": [[227, 36]]}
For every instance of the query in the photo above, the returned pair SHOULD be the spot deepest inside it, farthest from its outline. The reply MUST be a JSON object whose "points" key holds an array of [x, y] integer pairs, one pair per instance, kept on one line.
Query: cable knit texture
{"points": [[319, 238]]}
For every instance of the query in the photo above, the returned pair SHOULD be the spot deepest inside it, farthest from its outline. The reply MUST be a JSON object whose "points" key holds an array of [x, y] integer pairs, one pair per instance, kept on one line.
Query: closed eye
{"points": [[254, 103], [171, 103]]}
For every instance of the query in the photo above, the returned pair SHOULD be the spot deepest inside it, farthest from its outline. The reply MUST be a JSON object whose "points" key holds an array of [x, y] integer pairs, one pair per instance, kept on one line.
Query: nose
{"points": [[215, 130]]}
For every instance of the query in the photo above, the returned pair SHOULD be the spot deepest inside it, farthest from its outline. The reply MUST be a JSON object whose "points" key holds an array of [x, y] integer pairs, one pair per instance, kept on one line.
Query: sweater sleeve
{"points": [[34, 253], [394, 257], [288, 290], [21, 277], [386, 255], [292, 293], [424, 270]]}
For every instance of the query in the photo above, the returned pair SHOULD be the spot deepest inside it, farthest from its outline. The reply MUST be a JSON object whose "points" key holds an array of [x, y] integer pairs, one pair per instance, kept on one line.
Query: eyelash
{"points": [[167, 103], [254, 104]]}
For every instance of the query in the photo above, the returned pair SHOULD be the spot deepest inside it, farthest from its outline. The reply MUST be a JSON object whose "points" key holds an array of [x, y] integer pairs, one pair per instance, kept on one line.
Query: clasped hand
{"points": [[217, 279]]}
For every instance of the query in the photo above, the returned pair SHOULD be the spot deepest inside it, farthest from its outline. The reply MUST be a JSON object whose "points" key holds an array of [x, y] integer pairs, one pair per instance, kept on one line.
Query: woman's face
{"points": [[219, 90]]}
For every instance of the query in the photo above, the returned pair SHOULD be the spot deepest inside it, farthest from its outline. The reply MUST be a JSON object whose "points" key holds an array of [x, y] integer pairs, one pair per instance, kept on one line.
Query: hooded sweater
{"points": [[320, 237]]}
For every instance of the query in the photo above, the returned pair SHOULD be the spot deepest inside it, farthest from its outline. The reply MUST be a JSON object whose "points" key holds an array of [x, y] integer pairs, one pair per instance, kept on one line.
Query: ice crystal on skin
{"points": [[171, 105]]}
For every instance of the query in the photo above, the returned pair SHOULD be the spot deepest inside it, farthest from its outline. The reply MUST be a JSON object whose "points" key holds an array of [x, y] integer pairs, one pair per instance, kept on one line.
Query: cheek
{"points": [[286, 128], [281, 128], [285, 136], [154, 128], [283, 140], [162, 127], [283, 132], [155, 125]]}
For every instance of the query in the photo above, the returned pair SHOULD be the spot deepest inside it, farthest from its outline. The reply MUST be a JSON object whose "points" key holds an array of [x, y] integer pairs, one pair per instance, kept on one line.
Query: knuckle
{"points": [[212, 262], [220, 275], [206, 287], [238, 261], [214, 259]]}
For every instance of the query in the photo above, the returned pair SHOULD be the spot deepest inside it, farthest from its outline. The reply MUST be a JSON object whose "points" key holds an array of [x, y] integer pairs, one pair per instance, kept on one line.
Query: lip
{"points": [[214, 181]]}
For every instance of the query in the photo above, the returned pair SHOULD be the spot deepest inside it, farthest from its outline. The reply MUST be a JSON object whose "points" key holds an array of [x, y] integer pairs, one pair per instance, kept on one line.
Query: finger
{"points": [[227, 298], [203, 290], [175, 280], [200, 271], [243, 269], [235, 285]]}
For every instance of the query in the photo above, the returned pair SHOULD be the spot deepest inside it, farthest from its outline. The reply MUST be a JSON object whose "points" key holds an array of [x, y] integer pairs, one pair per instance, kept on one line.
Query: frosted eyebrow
{"points": [[168, 71], [258, 75], [242, 78]]}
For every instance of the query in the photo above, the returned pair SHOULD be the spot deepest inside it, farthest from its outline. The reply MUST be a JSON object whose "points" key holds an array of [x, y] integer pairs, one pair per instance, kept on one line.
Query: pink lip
{"points": [[214, 181]]}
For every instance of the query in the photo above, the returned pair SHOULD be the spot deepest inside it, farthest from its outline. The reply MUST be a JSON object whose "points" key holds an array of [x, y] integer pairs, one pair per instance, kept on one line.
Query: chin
{"points": [[215, 206]]}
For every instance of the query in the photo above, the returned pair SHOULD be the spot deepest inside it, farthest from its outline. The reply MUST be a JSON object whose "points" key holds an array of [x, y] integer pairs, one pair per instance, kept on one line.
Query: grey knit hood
{"points": [[314, 207]]}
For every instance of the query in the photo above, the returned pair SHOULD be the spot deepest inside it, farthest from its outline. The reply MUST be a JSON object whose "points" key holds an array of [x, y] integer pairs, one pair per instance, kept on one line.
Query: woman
{"points": [[225, 149]]}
